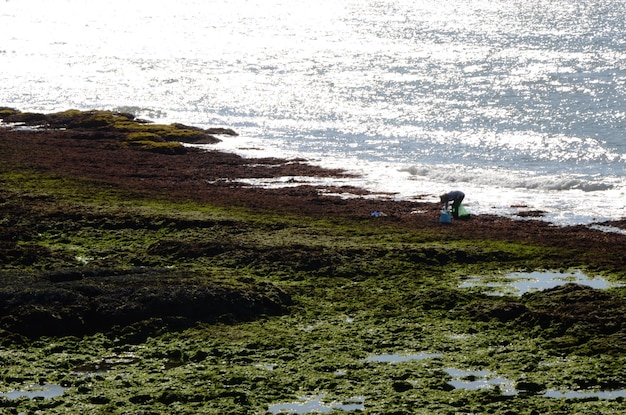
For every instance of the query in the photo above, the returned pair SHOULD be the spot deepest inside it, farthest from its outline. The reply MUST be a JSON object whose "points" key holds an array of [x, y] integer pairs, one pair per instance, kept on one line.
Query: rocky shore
{"points": [[97, 150], [116, 239]]}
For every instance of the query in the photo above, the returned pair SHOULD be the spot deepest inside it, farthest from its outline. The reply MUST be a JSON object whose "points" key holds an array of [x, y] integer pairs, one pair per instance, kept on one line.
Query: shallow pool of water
{"points": [[308, 404], [35, 391], [519, 283], [484, 379], [479, 379], [569, 394]]}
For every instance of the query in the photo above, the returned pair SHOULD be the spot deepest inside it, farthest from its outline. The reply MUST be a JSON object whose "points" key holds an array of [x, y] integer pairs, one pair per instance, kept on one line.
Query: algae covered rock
{"points": [[76, 303], [572, 317], [124, 127]]}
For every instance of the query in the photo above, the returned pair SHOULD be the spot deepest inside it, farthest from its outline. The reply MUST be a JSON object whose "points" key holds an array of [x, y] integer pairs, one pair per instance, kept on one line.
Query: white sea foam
{"points": [[564, 200]]}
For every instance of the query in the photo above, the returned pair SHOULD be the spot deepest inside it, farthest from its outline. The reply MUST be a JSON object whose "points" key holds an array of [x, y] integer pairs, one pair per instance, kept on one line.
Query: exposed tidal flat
{"points": [[140, 280]]}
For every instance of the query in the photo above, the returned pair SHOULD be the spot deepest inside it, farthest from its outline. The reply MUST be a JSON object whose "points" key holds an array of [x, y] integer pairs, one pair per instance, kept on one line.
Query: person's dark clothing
{"points": [[456, 197]]}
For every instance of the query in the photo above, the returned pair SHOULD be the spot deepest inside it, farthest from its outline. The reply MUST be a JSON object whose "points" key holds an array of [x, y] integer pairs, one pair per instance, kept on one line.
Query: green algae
{"points": [[358, 288], [132, 132]]}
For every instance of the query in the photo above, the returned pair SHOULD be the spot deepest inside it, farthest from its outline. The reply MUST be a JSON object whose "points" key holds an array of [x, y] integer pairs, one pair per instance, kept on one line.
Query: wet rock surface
{"points": [[139, 302], [576, 317]]}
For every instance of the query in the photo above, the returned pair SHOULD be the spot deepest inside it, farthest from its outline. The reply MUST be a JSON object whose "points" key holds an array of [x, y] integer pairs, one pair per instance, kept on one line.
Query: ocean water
{"points": [[519, 103]]}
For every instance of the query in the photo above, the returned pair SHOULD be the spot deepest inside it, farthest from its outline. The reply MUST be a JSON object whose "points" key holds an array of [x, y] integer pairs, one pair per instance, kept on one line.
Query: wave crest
{"points": [[499, 178]]}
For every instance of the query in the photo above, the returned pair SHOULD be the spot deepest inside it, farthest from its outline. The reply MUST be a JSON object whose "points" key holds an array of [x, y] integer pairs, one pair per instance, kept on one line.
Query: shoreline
{"points": [[563, 206], [271, 168], [145, 278], [95, 153]]}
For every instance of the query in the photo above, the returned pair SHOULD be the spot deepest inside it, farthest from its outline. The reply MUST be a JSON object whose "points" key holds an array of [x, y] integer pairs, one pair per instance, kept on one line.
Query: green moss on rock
{"points": [[6, 112], [143, 136], [99, 123]]}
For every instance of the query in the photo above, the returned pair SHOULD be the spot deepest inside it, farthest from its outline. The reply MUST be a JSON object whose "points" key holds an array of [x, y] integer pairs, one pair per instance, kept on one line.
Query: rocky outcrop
{"points": [[138, 301]]}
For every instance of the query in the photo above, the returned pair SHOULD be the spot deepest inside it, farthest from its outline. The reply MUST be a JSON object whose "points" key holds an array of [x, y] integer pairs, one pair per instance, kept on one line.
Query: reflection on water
{"points": [[519, 283], [568, 394], [461, 379], [479, 379], [483, 379], [314, 404], [36, 391]]}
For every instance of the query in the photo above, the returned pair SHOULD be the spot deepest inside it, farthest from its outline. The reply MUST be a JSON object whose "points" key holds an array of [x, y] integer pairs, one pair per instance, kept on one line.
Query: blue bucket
{"points": [[445, 217]]}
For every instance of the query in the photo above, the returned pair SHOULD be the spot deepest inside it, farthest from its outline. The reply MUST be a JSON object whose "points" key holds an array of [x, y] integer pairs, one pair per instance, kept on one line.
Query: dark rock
{"points": [[529, 387], [99, 400], [80, 302], [502, 311], [140, 399], [531, 213], [401, 386]]}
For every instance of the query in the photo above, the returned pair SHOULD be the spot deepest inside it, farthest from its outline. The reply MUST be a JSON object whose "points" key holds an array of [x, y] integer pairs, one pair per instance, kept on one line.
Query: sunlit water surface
{"points": [[520, 283]]}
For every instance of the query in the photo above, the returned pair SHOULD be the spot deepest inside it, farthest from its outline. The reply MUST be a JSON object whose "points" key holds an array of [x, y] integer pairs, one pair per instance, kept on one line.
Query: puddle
{"points": [[266, 366], [36, 391], [480, 379], [585, 394], [484, 379], [20, 126], [397, 358], [314, 404], [519, 283]]}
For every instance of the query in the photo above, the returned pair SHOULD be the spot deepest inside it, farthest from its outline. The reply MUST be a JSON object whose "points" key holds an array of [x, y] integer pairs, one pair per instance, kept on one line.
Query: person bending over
{"points": [[456, 197]]}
